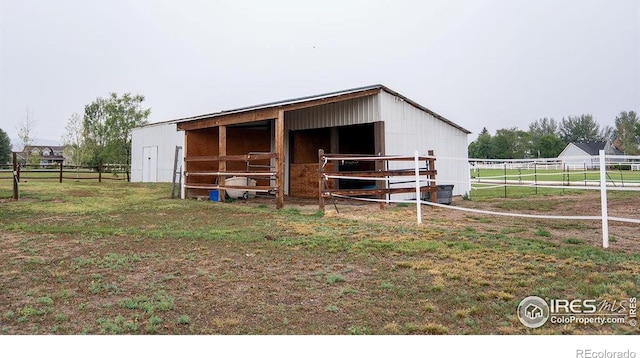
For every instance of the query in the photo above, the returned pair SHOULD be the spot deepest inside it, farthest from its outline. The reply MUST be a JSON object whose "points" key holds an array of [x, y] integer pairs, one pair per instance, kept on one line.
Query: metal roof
{"points": [[318, 97], [594, 147]]}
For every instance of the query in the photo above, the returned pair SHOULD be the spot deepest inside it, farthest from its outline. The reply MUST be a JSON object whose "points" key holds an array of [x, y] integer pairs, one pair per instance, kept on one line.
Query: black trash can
{"points": [[445, 194]]}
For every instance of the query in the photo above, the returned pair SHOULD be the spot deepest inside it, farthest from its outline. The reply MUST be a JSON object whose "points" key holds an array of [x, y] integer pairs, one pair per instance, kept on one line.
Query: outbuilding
{"points": [[153, 152], [284, 138]]}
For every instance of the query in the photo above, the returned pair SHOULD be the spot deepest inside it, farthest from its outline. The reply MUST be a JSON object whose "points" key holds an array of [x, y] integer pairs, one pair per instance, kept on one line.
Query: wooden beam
{"points": [[381, 174], [239, 174], [280, 159], [434, 188], [231, 158], [371, 157], [222, 165], [358, 192], [237, 187], [217, 120], [183, 190], [320, 179]]}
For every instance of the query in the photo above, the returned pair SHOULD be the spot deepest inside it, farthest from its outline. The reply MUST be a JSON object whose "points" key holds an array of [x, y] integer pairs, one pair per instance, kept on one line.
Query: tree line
{"points": [[546, 137]]}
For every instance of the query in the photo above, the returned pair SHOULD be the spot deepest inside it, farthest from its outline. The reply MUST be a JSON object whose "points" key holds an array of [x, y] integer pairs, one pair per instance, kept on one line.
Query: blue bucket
{"points": [[213, 195]]}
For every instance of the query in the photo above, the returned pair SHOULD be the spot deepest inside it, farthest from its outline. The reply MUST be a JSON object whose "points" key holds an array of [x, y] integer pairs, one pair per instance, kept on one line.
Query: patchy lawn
{"points": [[119, 258]]}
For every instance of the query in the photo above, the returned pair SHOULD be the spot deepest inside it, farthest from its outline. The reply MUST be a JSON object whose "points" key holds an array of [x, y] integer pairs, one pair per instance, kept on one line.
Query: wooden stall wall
{"points": [[240, 140], [243, 140], [303, 170], [202, 142]]}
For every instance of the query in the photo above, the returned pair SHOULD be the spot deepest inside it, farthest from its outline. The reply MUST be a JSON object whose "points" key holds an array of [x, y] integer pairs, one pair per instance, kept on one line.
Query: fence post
{"points": [[505, 179], [416, 164], [320, 179], [564, 169], [60, 172], [603, 201], [535, 175], [100, 173], [16, 167], [432, 178]]}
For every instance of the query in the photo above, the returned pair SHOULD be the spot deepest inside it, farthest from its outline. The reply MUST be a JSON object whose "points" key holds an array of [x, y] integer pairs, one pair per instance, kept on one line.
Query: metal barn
{"points": [[285, 136]]}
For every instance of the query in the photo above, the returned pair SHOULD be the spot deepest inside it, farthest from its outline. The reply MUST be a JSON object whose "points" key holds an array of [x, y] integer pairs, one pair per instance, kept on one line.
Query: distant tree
{"points": [[510, 143], [550, 146], [26, 132], [73, 140], [5, 147], [626, 132], [581, 128], [543, 126], [95, 131], [546, 128], [108, 124], [607, 133], [34, 158], [481, 147]]}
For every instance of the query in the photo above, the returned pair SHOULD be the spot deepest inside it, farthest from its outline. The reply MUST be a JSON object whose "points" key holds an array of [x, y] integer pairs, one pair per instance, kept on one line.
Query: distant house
{"points": [[585, 154], [47, 154]]}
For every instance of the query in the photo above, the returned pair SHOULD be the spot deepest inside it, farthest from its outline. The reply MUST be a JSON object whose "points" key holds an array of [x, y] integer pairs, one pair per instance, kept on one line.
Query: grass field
{"points": [[121, 258]]}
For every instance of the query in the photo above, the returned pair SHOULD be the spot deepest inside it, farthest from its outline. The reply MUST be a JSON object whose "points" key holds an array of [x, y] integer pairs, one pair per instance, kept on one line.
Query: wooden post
{"points": [[416, 168], [380, 166], [432, 181], [222, 165], [280, 160], [100, 173], [535, 175], [505, 179], [320, 180], [60, 172], [16, 169]]}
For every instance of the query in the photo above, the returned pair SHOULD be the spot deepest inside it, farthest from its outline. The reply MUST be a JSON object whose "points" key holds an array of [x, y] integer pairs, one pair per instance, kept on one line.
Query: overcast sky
{"points": [[494, 63]]}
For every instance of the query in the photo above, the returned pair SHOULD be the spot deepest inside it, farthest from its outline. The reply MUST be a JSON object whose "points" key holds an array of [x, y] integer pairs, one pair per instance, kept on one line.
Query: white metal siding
{"points": [[408, 129], [166, 138], [354, 111]]}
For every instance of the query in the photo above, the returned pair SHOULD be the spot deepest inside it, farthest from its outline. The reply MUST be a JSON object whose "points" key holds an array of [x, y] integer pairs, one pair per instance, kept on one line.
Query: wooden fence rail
{"points": [[219, 176], [62, 172], [327, 178]]}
